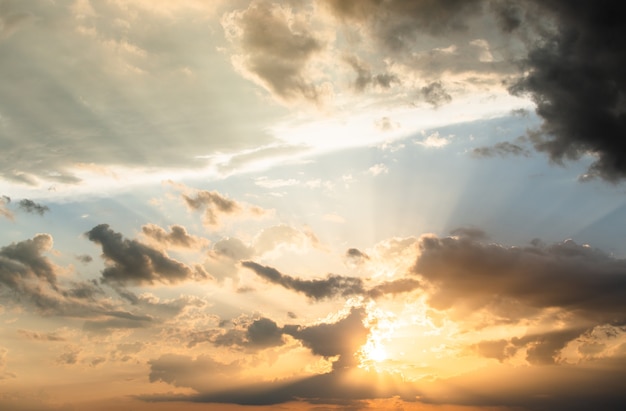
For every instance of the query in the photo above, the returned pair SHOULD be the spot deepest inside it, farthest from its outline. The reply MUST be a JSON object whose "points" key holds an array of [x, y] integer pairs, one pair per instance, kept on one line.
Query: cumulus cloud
{"points": [[131, 262], [276, 58], [30, 206], [576, 78], [176, 238], [215, 206], [581, 286]]}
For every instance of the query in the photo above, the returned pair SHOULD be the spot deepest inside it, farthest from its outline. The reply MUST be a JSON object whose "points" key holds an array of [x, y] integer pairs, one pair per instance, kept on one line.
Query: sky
{"points": [[312, 205]]}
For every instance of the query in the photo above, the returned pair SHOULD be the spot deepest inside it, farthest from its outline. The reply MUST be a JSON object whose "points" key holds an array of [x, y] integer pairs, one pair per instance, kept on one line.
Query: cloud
{"points": [[197, 373], [284, 236], [378, 169], [100, 95], [332, 286], [215, 206], [131, 262], [37, 336], [346, 384], [4, 211], [276, 59], [576, 77], [501, 149], [30, 206], [176, 238], [23, 263], [396, 23], [434, 140], [580, 279], [365, 78], [435, 94], [577, 286]]}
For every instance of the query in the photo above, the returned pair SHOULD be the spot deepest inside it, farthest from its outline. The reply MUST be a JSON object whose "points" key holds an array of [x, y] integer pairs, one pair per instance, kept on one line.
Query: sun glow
{"points": [[374, 351]]}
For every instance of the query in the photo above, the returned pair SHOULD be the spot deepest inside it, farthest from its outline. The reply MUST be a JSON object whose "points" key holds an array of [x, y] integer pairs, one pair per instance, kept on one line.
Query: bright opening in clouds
{"points": [[312, 205]]}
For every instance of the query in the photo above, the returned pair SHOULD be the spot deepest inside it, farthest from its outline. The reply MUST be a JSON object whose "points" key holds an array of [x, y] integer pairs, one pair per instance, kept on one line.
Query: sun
{"points": [[374, 351]]}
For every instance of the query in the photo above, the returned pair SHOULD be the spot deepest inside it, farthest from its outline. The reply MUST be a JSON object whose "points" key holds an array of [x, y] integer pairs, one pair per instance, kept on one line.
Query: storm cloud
{"points": [[577, 79]]}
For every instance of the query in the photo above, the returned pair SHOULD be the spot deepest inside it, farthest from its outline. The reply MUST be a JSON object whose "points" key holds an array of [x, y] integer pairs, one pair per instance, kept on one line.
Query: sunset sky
{"points": [[312, 205]]}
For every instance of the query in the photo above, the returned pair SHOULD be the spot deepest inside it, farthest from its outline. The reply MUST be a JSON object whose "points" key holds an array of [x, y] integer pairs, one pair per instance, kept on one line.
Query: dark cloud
{"points": [[276, 50], [567, 387], [332, 286], [256, 334], [577, 278], [30, 206], [577, 79], [131, 262], [177, 237], [355, 253], [585, 287], [501, 149], [541, 349], [23, 265], [399, 286], [435, 94]]}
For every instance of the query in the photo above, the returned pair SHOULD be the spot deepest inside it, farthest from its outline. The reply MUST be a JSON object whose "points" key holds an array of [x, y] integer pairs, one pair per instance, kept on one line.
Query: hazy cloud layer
{"points": [[109, 89]]}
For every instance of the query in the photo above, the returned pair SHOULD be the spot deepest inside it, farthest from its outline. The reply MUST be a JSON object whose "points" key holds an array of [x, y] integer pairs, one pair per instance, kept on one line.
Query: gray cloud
{"points": [[332, 286], [177, 237], [30, 206], [365, 77], [215, 206], [435, 94], [346, 384], [577, 278], [131, 262], [278, 56], [501, 149], [23, 264]]}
